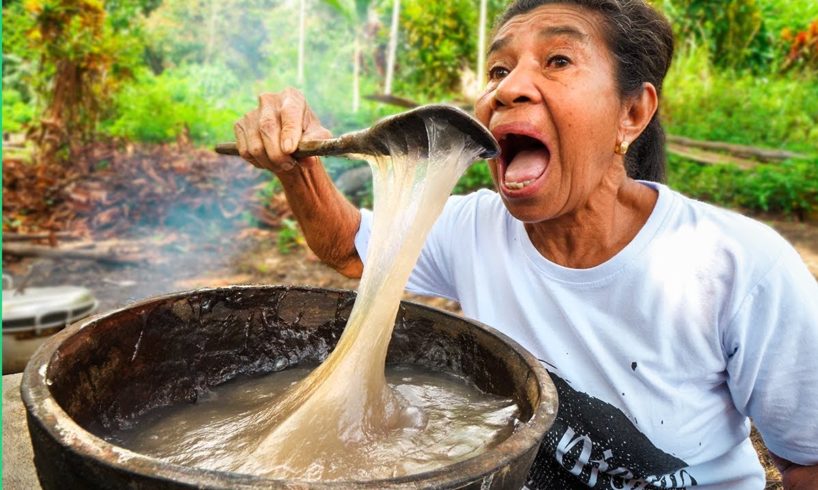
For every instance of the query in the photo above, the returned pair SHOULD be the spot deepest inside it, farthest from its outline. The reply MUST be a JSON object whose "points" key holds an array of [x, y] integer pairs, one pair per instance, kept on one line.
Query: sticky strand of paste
{"points": [[346, 399]]}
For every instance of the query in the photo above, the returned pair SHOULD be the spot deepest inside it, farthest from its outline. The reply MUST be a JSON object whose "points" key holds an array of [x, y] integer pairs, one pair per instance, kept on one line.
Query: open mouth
{"points": [[524, 160]]}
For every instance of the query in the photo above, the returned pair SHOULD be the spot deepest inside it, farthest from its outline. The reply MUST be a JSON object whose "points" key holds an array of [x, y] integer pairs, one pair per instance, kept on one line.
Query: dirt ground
{"points": [[252, 256]]}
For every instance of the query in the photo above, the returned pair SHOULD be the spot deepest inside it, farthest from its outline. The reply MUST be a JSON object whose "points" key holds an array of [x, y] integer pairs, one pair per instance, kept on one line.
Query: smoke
{"points": [[189, 214]]}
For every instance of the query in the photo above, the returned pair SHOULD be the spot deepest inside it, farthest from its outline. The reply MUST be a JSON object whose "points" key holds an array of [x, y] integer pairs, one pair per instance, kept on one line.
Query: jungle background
{"points": [[110, 109]]}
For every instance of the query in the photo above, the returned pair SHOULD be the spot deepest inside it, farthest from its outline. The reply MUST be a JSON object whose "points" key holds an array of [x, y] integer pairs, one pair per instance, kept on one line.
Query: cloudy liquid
{"points": [[459, 421], [346, 402]]}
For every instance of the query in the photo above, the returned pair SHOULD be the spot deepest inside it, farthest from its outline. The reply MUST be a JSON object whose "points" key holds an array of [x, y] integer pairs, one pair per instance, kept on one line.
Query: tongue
{"points": [[527, 165]]}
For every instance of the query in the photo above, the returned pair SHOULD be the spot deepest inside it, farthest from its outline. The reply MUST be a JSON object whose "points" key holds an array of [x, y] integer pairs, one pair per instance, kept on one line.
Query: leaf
{"points": [[343, 7]]}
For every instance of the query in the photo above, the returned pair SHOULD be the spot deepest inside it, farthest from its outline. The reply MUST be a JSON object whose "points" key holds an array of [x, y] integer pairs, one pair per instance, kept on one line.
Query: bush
{"points": [[438, 40], [17, 114], [788, 187], [795, 15], [476, 177], [197, 99], [734, 31], [803, 51], [704, 103]]}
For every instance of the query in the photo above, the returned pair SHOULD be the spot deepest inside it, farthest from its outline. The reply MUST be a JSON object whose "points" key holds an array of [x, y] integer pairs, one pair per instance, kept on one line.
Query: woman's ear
{"points": [[637, 111]]}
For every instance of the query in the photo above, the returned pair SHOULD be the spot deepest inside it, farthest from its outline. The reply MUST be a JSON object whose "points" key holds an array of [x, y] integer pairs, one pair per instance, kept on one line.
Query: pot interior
{"points": [[173, 349]]}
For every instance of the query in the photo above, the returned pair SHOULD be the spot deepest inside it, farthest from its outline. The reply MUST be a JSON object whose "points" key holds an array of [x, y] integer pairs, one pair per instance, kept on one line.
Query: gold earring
{"points": [[622, 148]]}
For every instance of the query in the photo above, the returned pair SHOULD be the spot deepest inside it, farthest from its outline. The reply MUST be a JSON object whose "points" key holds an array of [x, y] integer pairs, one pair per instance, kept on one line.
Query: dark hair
{"points": [[641, 41]]}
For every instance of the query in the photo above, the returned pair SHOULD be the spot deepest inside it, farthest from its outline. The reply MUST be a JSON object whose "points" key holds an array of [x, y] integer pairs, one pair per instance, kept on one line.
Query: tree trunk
{"points": [[56, 126], [108, 256], [480, 76], [211, 31], [393, 47], [301, 33], [356, 68]]}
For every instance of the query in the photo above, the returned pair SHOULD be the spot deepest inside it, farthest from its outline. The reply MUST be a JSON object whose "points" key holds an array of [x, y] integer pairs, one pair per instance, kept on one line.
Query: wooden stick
{"points": [[106, 256]]}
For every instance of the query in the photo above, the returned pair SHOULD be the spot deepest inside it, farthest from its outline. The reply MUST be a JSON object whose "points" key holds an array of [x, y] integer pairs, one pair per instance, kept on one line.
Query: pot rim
{"points": [[43, 408]]}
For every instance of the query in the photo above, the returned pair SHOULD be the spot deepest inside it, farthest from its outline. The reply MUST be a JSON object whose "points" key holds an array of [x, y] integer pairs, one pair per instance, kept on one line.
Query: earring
{"points": [[622, 148]]}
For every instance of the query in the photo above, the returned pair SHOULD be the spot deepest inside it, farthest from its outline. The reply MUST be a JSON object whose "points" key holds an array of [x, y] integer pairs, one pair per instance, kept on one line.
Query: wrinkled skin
{"points": [[266, 137], [551, 78]]}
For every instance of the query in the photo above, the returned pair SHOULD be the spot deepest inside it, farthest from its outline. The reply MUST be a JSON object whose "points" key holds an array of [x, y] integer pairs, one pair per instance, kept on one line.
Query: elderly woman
{"points": [[666, 323]]}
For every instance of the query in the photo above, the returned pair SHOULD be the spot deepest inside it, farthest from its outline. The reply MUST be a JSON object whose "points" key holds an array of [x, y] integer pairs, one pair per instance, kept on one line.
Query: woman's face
{"points": [[552, 103]]}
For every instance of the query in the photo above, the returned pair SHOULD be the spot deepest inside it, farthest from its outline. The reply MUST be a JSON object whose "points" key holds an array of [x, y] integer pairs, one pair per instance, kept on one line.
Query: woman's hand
{"points": [[267, 136]]}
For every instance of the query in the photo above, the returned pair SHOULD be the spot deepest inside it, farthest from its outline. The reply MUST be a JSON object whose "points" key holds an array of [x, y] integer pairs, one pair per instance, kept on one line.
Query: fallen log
{"points": [[104, 256], [709, 157], [25, 237], [741, 151], [392, 100]]}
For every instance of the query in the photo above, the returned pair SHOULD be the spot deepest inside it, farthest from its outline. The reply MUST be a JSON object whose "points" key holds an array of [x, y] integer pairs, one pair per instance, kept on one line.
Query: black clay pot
{"points": [[98, 374]]}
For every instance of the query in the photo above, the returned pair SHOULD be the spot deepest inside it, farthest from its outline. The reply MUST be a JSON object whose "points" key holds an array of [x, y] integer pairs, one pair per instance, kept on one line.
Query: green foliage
{"points": [[198, 100], [328, 68], [17, 50], [437, 48], [176, 67], [788, 187], [65, 60], [229, 33], [740, 34], [478, 176], [354, 11], [733, 30], [438, 39], [17, 114], [289, 236], [208, 98], [702, 102], [803, 52], [270, 189], [791, 14]]}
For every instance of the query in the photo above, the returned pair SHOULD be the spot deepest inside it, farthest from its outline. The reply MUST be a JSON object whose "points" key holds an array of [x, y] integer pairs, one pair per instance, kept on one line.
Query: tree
{"points": [[481, 45], [228, 33], [393, 47], [734, 31], [83, 58], [302, 7], [357, 13]]}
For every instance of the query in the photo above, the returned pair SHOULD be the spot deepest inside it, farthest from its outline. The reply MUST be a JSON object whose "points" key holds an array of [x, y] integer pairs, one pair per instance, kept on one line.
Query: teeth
{"points": [[518, 185]]}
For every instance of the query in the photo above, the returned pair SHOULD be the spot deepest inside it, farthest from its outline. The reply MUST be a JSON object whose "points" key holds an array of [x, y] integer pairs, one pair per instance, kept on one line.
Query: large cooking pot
{"points": [[99, 374]]}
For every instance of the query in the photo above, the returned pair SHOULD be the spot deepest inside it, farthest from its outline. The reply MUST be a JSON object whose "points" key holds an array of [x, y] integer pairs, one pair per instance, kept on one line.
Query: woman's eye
{"points": [[497, 73], [558, 61]]}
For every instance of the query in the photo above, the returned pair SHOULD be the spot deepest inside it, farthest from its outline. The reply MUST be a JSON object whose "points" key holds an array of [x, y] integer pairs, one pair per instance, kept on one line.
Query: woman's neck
{"points": [[599, 229]]}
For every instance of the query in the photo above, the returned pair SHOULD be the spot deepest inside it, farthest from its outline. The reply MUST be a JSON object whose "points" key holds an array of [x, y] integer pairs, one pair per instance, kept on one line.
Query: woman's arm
{"points": [[329, 221], [266, 137], [796, 477]]}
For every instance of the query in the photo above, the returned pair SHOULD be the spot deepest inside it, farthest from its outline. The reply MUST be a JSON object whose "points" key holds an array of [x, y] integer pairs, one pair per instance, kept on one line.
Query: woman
{"points": [[664, 322]]}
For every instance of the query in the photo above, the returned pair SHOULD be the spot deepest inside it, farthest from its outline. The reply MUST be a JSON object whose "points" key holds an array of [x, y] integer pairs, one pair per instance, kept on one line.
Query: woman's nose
{"points": [[518, 87]]}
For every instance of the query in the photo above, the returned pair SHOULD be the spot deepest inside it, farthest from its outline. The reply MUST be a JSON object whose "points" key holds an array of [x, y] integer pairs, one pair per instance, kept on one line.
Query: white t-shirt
{"points": [[660, 354]]}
